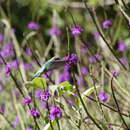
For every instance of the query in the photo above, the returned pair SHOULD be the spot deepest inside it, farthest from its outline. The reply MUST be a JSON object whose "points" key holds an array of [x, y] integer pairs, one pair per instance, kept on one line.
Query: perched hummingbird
{"points": [[51, 64]]}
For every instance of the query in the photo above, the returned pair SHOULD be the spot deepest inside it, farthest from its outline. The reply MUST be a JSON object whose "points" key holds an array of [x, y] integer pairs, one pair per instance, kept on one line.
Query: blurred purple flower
{"points": [[37, 93], [80, 81], [65, 76], [2, 108], [123, 60], [14, 30], [15, 64], [29, 128], [33, 25], [7, 50], [98, 57], [110, 127], [76, 30], [121, 46], [8, 69], [44, 95], [71, 60], [70, 101], [43, 105], [28, 51], [92, 59], [16, 93], [16, 122], [47, 74], [55, 112], [1, 61], [114, 73], [129, 22], [84, 70], [106, 24], [1, 37], [1, 87], [28, 66], [55, 31], [96, 35], [103, 96], [84, 50], [34, 112], [27, 101]]}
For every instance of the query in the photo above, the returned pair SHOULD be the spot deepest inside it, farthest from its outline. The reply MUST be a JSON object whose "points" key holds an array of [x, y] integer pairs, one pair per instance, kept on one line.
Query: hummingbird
{"points": [[53, 63]]}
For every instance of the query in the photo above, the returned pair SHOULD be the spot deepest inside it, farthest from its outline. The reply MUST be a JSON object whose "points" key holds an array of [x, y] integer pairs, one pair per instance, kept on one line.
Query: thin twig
{"points": [[119, 112]]}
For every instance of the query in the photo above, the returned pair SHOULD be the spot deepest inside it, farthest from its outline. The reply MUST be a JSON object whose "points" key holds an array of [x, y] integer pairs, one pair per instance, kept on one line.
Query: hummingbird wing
{"points": [[57, 64]]}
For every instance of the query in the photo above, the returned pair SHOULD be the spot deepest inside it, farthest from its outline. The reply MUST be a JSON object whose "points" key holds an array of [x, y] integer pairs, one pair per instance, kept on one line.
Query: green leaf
{"points": [[39, 82], [89, 91], [64, 87]]}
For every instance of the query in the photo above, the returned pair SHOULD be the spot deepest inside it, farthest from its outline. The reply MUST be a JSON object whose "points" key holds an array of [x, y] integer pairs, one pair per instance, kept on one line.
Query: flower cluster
{"points": [[34, 112], [44, 95], [76, 30], [71, 60], [55, 112]]}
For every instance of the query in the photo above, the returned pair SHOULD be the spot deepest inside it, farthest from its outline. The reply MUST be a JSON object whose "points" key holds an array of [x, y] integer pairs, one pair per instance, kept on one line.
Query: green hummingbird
{"points": [[53, 63]]}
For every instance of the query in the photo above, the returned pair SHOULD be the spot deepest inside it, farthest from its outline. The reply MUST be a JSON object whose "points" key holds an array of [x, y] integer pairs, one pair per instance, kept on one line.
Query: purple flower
{"points": [[8, 69], [29, 128], [76, 30], [16, 93], [15, 64], [7, 51], [84, 70], [103, 96], [96, 35], [55, 112], [129, 22], [28, 51], [34, 112], [47, 74], [2, 108], [65, 76], [1, 37], [114, 73], [84, 50], [43, 105], [123, 60], [70, 101], [33, 25], [106, 24], [92, 59], [121, 46], [28, 66], [27, 101], [98, 57], [44, 95], [37, 93], [55, 31], [16, 122], [71, 60]]}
